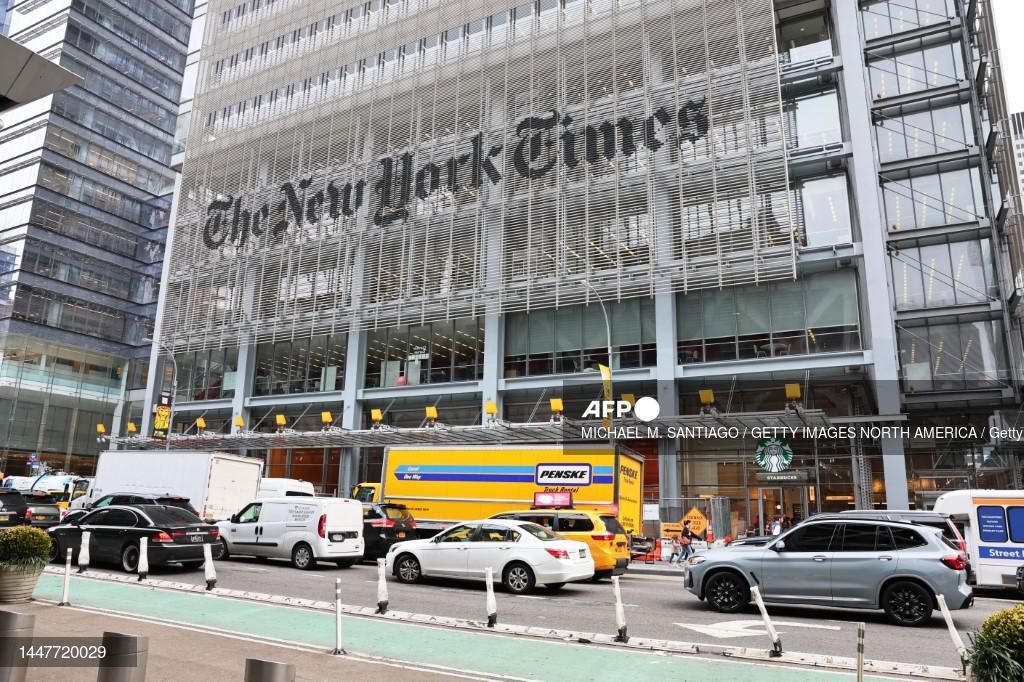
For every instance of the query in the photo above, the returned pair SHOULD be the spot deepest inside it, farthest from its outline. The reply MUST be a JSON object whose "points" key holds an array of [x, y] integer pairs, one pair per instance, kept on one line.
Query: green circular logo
{"points": [[773, 454]]}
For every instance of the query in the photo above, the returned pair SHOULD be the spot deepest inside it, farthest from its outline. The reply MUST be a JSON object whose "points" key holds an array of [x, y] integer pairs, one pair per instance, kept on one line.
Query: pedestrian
{"points": [[686, 540], [777, 526], [677, 551]]}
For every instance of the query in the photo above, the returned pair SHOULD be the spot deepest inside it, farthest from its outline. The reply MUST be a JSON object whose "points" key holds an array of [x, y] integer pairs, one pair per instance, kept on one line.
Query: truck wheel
{"points": [[518, 578], [130, 558], [303, 557], [407, 569]]}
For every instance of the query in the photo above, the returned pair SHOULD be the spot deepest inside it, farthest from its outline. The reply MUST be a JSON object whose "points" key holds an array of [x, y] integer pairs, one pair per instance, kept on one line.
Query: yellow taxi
{"points": [[607, 539]]}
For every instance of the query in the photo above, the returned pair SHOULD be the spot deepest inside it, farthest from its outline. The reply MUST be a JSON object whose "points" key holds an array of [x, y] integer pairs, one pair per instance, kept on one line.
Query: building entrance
{"points": [[771, 502]]}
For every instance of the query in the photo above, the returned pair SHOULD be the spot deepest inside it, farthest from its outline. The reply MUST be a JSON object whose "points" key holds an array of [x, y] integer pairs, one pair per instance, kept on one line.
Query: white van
{"points": [[284, 487], [302, 529], [992, 522]]}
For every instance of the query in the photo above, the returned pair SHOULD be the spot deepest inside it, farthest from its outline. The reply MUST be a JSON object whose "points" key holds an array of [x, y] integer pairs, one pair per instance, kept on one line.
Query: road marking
{"points": [[746, 628]]}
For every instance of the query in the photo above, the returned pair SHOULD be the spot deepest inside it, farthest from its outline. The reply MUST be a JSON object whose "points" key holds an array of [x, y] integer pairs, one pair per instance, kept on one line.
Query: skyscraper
{"points": [[84, 206], [393, 203]]}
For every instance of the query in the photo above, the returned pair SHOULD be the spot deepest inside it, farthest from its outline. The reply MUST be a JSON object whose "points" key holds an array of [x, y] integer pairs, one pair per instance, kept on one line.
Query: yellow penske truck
{"points": [[441, 485]]}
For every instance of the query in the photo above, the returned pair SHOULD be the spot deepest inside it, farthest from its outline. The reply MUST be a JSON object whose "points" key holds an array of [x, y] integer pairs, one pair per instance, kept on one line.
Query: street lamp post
{"points": [[607, 323], [174, 394]]}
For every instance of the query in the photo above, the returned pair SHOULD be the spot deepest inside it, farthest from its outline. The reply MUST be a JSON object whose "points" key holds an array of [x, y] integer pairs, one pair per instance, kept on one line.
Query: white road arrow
{"points": [[746, 628]]}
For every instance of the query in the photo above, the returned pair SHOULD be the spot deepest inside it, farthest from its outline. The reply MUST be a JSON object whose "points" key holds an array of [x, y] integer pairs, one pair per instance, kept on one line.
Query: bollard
{"points": [[143, 558], [958, 642], [338, 651], [13, 625], [268, 671], [83, 552], [776, 641], [125, 660], [620, 613], [208, 567], [382, 587], [492, 605], [64, 601], [860, 652]]}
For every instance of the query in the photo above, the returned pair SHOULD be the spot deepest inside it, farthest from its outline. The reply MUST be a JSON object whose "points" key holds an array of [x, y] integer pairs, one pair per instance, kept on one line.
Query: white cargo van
{"points": [[302, 529], [284, 487], [992, 522]]}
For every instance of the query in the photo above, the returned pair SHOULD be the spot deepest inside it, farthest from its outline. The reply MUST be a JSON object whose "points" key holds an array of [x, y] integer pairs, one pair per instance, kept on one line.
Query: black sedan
{"points": [[384, 525], [176, 536]]}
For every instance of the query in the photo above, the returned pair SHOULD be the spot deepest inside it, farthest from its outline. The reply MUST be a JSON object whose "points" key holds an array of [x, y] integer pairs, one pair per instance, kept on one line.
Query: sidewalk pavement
{"points": [[178, 653], [486, 655]]}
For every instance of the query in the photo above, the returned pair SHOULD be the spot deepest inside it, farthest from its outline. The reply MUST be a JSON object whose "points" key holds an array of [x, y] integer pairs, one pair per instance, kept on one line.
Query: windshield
{"points": [[613, 525], [40, 499], [397, 514], [364, 494], [540, 532], [171, 516]]}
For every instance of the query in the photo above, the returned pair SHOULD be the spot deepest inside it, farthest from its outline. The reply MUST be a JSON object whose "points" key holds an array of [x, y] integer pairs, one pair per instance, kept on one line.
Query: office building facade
{"points": [[387, 205], [87, 189]]}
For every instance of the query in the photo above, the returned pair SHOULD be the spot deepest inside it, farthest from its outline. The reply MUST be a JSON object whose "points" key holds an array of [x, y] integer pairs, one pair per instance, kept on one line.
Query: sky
{"points": [[1009, 18]]}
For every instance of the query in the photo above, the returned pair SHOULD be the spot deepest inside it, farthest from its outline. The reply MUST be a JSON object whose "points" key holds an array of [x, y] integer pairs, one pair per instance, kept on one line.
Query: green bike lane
{"points": [[493, 654]]}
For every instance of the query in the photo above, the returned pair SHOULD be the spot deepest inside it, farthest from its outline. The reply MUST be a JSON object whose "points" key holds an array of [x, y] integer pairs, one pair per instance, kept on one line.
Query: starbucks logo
{"points": [[773, 454]]}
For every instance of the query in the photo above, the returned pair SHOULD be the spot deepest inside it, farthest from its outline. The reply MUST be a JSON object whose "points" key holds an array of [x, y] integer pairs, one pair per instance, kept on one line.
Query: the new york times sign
{"points": [[541, 142]]}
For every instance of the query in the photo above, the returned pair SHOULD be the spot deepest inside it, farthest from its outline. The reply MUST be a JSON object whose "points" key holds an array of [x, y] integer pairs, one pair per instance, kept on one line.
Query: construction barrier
{"points": [[382, 587], [208, 567], [83, 552], [143, 558], [64, 595], [620, 613], [338, 651], [492, 604]]}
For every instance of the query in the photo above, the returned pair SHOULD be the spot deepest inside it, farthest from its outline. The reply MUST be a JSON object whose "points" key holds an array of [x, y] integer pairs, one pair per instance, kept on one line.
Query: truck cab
{"points": [[366, 492]]}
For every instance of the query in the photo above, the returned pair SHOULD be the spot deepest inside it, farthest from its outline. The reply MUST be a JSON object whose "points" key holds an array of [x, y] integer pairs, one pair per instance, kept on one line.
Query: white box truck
{"points": [[217, 484]]}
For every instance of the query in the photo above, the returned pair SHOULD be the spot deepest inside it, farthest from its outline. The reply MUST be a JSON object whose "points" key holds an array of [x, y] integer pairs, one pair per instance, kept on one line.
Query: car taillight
{"points": [[954, 561], [606, 537], [411, 523], [382, 523], [558, 553], [177, 533], [215, 533], [321, 528], [162, 537], [28, 513]]}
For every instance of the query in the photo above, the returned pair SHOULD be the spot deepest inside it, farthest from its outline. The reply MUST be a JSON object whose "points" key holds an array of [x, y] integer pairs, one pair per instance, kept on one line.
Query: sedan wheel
{"points": [[54, 550], [408, 569], [219, 551], [727, 592], [907, 603], [518, 579], [130, 558]]}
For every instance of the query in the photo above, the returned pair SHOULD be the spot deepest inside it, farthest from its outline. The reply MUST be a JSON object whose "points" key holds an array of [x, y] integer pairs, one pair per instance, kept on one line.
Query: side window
{"points": [[814, 538], [883, 540], [1015, 515], [858, 537], [97, 518], [115, 517], [250, 514], [458, 534], [486, 533], [546, 520], [104, 501], [574, 523], [513, 536], [370, 513], [906, 538]]}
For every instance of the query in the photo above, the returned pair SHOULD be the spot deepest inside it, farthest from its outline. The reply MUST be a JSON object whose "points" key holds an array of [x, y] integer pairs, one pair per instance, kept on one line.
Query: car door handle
{"points": [[819, 558], [885, 558], [504, 548]]}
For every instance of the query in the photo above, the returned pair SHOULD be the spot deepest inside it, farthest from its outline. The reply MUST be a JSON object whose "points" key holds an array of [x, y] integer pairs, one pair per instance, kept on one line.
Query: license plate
{"points": [[400, 534], [583, 553], [5, 517], [337, 537], [195, 538]]}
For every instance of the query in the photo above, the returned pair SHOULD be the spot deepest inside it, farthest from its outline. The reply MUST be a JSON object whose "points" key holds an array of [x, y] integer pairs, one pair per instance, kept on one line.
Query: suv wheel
{"points": [[907, 603], [727, 592]]}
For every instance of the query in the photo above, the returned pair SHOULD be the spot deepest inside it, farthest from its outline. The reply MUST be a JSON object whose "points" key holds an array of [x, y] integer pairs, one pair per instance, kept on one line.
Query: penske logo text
{"points": [[563, 474]]}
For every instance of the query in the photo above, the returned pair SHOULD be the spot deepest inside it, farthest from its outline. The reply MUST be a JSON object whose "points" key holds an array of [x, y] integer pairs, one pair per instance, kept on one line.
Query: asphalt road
{"points": [[655, 606]]}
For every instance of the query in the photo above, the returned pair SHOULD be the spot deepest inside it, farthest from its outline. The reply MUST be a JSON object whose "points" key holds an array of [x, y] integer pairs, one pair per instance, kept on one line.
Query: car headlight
{"points": [[696, 559]]}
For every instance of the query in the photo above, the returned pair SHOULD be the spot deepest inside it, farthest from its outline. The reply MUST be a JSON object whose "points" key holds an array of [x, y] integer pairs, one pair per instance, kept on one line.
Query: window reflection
{"points": [[439, 352], [932, 200], [309, 365], [943, 274], [813, 120], [823, 208], [955, 356], [804, 38], [887, 17]]}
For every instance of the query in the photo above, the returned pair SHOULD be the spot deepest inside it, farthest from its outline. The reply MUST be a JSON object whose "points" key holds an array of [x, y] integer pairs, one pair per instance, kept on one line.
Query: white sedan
{"points": [[521, 554]]}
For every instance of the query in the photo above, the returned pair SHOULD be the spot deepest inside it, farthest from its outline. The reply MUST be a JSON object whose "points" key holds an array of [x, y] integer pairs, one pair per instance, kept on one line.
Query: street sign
{"points": [[698, 522], [606, 379], [161, 421], [651, 512]]}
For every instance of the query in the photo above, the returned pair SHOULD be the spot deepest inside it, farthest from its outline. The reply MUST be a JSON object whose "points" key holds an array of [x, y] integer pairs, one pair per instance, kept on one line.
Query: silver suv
{"points": [[890, 565]]}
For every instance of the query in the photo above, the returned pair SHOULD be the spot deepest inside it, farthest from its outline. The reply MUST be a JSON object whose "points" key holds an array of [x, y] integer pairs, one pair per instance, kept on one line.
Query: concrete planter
{"points": [[17, 584]]}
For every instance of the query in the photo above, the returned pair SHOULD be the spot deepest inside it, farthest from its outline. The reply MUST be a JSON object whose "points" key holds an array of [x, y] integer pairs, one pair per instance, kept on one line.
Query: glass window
{"points": [[574, 523], [251, 514], [813, 120], [171, 516], [812, 538], [858, 537], [937, 274], [1015, 517], [825, 205], [905, 538], [540, 532], [804, 38], [457, 534], [489, 533]]}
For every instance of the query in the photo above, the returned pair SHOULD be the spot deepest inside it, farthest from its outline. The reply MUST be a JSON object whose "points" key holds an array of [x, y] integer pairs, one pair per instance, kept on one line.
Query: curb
{"points": [[569, 636]]}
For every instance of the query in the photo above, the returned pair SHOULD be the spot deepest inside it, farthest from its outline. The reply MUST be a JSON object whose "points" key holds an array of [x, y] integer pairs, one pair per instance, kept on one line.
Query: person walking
{"points": [[777, 526], [686, 540], [677, 551]]}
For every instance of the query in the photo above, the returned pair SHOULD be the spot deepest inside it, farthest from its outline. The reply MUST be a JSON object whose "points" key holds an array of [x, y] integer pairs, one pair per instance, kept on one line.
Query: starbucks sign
{"points": [[773, 454]]}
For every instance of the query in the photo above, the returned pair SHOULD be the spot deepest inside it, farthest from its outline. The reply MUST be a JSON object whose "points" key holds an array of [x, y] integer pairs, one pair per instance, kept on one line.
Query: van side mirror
{"points": [[779, 546], [234, 518]]}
